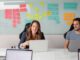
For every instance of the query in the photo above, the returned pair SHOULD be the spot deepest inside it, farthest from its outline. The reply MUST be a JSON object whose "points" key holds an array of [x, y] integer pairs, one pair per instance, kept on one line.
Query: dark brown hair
{"points": [[77, 19], [38, 34], [71, 27]]}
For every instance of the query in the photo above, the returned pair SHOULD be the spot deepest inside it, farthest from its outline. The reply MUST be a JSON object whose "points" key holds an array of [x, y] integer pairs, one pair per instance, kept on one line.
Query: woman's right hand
{"points": [[23, 45]]}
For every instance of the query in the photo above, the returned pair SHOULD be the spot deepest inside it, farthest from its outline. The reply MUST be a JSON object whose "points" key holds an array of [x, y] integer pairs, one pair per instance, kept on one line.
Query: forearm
{"points": [[66, 44]]}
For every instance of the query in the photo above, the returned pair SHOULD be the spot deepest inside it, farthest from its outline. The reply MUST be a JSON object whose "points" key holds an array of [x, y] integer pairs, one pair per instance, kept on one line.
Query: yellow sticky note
{"points": [[69, 16], [42, 3], [28, 15], [48, 13], [31, 4], [37, 9], [37, 17], [44, 14]]}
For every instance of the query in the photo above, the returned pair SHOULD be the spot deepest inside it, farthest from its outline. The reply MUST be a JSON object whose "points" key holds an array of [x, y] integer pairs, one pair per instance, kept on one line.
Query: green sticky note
{"points": [[70, 6]]}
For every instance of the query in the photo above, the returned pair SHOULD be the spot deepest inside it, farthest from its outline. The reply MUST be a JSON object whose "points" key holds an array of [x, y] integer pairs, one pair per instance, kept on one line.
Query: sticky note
{"points": [[8, 13], [31, 5], [70, 6], [42, 3], [23, 8], [37, 9], [69, 16]]}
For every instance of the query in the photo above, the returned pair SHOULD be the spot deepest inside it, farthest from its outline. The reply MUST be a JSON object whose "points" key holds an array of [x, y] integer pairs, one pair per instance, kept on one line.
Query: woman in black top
{"points": [[33, 33]]}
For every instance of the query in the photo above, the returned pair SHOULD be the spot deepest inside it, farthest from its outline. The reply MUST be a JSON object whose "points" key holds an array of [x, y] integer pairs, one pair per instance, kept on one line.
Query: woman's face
{"points": [[34, 28], [76, 25]]}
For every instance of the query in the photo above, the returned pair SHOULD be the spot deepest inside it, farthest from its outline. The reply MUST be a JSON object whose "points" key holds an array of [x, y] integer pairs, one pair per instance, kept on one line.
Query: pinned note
{"points": [[29, 16], [23, 8], [16, 17], [69, 16], [8, 13], [70, 6], [37, 17], [42, 3], [31, 5], [37, 9], [49, 13]]}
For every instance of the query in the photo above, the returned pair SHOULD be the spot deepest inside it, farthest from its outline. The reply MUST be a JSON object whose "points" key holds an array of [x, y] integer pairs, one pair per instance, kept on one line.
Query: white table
{"points": [[52, 54]]}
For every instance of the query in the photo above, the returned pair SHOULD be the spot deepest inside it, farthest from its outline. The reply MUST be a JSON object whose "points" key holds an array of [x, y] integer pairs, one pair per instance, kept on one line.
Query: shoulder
{"points": [[70, 32]]}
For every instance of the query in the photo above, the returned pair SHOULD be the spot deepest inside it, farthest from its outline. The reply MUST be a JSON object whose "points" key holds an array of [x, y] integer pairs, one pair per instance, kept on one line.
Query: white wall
{"points": [[6, 41], [55, 41]]}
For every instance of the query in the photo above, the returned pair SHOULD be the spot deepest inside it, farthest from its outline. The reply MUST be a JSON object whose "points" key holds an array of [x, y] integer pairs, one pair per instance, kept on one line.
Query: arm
{"points": [[66, 44], [67, 41], [22, 40]]}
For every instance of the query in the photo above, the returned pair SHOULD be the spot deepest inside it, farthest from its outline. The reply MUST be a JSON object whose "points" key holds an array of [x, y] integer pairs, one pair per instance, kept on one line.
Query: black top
{"points": [[24, 38]]}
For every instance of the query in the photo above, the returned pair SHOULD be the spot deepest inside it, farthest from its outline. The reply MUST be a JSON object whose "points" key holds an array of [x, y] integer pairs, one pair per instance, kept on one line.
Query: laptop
{"points": [[16, 54], [38, 45], [74, 45]]}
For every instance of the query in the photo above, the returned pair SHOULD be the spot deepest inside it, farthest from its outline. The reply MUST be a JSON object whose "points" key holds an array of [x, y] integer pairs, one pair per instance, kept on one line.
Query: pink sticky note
{"points": [[8, 13], [14, 23], [16, 15], [23, 8]]}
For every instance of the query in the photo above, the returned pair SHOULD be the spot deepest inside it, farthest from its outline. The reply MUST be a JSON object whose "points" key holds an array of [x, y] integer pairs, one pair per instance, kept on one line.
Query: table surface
{"points": [[52, 54]]}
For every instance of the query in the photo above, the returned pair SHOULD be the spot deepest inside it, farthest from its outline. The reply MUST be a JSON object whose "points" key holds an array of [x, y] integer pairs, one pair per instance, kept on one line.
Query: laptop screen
{"points": [[18, 55], [38, 45]]}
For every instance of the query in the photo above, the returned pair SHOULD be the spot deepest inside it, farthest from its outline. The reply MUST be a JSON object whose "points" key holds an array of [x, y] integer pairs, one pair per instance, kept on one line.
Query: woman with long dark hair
{"points": [[33, 33]]}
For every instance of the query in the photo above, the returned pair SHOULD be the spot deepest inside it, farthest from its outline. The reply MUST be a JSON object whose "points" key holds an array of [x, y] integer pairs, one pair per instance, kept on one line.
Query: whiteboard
{"points": [[50, 14]]}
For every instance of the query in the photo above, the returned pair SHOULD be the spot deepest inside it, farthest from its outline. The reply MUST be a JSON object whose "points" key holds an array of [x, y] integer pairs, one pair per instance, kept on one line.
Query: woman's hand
{"points": [[23, 45]]}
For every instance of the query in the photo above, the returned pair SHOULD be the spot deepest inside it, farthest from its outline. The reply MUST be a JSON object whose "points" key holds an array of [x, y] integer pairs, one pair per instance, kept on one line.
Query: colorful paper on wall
{"points": [[16, 17], [69, 16], [54, 12], [70, 6], [37, 17], [31, 4], [23, 8], [37, 9], [29, 16], [42, 3], [47, 13], [8, 13]]}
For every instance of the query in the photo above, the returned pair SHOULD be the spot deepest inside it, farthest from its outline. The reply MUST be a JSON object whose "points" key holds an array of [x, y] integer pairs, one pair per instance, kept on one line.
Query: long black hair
{"points": [[25, 30]]}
